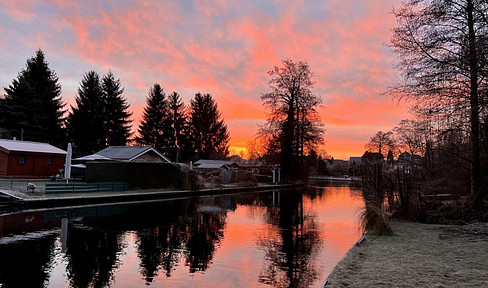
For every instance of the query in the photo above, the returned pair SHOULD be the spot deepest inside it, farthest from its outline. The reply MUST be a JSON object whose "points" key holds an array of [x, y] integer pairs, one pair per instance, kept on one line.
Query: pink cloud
{"points": [[225, 49], [20, 10]]}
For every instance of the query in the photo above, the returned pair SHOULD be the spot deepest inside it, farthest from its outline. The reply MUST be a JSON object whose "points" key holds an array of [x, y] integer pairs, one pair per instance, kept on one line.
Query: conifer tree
{"points": [[117, 117], [86, 127], [177, 126], [32, 108], [154, 119], [208, 134]]}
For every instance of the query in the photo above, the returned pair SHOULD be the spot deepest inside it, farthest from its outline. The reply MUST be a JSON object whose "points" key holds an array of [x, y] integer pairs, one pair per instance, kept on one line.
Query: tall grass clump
{"points": [[373, 217], [374, 220]]}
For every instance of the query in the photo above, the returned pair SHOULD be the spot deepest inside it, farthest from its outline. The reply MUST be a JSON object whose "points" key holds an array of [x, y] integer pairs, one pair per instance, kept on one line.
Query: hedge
{"points": [[139, 175]]}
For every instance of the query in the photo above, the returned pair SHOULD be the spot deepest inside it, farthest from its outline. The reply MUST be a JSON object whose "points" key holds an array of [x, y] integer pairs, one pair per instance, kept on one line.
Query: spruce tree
{"points": [[208, 134], [154, 118], [86, 125], [32, 108], [177, 128], [117, 117]]}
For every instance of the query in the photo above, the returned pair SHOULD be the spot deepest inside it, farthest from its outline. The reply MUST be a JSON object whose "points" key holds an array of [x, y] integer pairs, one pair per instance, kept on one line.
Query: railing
{"points": [[76, 187], [21, 184]]}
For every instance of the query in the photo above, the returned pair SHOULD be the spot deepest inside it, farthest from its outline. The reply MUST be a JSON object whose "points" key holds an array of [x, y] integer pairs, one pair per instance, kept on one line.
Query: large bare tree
{"points": [[293, 125], [442, 50], [381, 143]]}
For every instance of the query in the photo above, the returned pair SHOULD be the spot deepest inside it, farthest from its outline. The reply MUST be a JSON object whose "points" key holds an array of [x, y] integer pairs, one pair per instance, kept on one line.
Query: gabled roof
{"points": [[214, 164], [29, 147], [123, 153]]}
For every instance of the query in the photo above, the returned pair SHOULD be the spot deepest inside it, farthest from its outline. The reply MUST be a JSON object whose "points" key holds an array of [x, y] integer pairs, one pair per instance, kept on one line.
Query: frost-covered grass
{"points": [[418, 255]]}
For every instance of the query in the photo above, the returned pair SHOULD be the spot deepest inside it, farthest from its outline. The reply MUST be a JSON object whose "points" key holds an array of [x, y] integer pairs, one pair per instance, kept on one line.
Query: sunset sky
{"points": [[220, 47]]}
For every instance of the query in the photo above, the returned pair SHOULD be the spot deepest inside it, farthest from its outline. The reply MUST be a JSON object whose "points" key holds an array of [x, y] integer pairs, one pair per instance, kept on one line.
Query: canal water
{"points": [[282, 238]]}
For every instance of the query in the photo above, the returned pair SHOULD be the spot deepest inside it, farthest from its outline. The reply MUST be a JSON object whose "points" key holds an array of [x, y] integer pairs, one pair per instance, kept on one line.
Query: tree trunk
{"points": [[478, 196], [287, 144]]}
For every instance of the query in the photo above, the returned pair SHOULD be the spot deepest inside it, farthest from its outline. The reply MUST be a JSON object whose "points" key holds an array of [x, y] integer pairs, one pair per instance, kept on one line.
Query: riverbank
{"points": [[29, 200], [418, 255]]}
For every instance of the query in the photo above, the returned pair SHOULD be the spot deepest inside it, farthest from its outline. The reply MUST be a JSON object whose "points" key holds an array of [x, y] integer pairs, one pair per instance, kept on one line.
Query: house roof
{"points": [[30, 147], [213, 164], [92, 157], [356, 160], [124, 153]]}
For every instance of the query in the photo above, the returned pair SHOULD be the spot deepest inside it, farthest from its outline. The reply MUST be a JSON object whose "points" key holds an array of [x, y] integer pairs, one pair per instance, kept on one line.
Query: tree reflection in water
{"points": [[203, 233], [193, 240], [158, 248], [92, 256], [175, 236], [289, 255]]}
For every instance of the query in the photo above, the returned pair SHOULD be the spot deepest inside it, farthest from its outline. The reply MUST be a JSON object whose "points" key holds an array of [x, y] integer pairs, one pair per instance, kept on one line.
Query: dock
{"points": [[35, 200]]}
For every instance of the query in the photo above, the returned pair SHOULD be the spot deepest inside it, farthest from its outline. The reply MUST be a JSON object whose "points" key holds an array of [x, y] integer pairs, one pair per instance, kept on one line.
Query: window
{"points": [[49, 162], [21, 160]]}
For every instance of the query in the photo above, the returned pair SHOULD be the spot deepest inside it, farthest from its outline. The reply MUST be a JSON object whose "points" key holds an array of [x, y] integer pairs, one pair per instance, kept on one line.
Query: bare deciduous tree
{"points": [[381, 143], [442, 46], [293, 125]]}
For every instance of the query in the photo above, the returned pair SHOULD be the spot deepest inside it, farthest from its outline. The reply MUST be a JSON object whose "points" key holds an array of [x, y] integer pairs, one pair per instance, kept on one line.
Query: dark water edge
{"points": [[269, 239]]}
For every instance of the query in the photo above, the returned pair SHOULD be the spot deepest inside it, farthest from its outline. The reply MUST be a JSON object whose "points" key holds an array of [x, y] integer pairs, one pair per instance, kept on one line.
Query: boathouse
{"points": [[29, 159]]}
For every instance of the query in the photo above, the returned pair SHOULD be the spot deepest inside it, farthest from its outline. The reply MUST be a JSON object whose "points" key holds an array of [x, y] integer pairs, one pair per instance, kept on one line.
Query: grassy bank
{"points": [[418, 255]]}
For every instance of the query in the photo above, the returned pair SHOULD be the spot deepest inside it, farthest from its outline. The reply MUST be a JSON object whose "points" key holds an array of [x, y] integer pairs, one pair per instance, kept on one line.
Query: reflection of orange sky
{"points": [[225, 50]]}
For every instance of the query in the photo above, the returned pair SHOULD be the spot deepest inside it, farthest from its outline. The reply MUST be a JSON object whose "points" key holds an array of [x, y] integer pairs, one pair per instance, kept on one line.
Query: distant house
{"points": [[29, 159], [127, 154], [355, 160], [216, 164], [407, 161], [227, 169], [406, 157]]}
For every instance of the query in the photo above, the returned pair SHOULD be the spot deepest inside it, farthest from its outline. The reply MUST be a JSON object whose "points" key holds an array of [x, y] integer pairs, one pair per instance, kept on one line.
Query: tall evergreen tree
{"points": [[86, 127], [117, 117], [32, 107], [178, 128], [208, 134], [154, 118]]}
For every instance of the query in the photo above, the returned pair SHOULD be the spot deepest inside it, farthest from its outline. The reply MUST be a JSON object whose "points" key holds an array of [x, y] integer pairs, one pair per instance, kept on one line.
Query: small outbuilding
{"points": [[29, 159]]}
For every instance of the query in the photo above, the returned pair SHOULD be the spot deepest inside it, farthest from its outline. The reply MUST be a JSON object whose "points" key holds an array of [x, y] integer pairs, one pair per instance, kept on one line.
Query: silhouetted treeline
{"points": [[183, 133], [32, 109]]}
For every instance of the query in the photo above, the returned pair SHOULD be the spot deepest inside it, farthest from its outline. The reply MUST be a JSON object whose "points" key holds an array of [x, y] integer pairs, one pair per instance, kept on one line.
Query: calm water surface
{"points": [[284, 238]]}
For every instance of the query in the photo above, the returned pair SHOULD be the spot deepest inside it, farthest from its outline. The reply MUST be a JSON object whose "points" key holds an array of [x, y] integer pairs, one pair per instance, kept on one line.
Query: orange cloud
{"points": [[224, 49]]}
